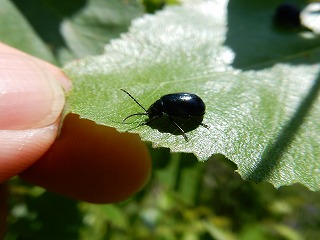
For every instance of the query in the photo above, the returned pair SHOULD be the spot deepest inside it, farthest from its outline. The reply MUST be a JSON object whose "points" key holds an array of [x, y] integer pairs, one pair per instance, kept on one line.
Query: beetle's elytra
{"points": [[182, 105]]}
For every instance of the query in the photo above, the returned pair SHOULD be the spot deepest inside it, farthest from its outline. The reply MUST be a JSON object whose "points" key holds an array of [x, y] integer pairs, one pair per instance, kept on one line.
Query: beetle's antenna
{"points": [[135, 101], [135, 114]]}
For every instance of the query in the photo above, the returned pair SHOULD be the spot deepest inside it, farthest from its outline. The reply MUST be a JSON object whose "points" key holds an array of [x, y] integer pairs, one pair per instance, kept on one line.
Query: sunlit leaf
{"points": [[262, 111]]}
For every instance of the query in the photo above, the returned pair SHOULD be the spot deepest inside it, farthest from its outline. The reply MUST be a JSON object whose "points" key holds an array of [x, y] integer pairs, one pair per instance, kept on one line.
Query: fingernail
{"points": [[30, 95]]}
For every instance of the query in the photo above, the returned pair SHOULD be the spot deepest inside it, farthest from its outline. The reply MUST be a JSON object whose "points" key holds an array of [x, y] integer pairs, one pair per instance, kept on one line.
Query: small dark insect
{"points": [[183, 105], [287, 16]]}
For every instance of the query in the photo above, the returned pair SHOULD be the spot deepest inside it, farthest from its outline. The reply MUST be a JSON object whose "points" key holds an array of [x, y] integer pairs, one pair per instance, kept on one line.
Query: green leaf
{"points": [[88, 31], [114, 215], [15, 31], [263, 119]]}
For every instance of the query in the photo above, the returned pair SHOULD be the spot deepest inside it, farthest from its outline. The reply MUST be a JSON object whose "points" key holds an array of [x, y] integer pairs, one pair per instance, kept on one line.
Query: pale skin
{"points": [[85, 161]]}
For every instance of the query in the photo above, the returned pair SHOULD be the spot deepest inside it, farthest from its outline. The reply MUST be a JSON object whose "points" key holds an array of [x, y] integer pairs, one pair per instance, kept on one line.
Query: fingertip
{"points": [[32, 98], [32, 91], [20, 149], [93, 163]]}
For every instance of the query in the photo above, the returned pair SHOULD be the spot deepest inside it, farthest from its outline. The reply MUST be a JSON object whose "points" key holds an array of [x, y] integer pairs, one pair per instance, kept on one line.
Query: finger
{"points": [[31, 101], [55, 71], [20, 149], [30, 95], [93, 163]]}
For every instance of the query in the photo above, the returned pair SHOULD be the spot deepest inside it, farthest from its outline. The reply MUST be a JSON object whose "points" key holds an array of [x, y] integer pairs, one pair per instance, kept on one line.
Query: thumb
{"points": [[31, 101]]}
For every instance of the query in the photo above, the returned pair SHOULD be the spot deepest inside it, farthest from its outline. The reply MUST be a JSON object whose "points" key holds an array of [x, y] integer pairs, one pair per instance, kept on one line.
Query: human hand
{"points": [[86, 161]]}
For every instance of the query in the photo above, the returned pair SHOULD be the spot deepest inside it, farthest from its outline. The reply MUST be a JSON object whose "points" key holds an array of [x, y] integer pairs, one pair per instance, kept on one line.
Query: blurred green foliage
{"points": [[184, 199]]}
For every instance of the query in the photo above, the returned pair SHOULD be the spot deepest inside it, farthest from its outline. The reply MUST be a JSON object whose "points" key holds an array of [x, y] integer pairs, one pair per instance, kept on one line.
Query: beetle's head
{"points": [[155, 110]]}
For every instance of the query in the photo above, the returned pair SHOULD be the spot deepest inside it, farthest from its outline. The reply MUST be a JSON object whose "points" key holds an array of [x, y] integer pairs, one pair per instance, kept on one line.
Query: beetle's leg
{"points": [[183, 133], [135, 114], [204, 125], [139, 125], [149, 121], [200, 123]]}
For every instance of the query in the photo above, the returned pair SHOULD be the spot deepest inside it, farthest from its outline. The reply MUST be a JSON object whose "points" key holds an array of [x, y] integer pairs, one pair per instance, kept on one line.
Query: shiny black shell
{"points": [[287, 16], [177, 105]]}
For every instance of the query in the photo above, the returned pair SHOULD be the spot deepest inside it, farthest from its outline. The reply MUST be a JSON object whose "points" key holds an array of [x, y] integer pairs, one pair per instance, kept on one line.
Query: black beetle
{"points": [[183, 105], [287, 16]]}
